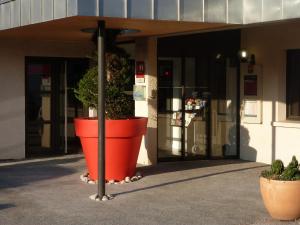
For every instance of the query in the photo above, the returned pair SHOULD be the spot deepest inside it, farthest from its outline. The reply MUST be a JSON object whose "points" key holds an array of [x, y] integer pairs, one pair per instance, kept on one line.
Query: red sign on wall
{"points": [[250, 85], [140, 69]]}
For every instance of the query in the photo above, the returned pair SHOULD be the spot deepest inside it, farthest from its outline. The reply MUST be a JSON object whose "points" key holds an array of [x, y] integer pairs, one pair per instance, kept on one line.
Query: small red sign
{"points": [[140, 69], [38, 69], [250, 85]]}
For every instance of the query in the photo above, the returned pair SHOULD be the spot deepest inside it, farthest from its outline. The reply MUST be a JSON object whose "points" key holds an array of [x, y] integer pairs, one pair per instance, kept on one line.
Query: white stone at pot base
{"points": [[86, 179], [96, 198]]}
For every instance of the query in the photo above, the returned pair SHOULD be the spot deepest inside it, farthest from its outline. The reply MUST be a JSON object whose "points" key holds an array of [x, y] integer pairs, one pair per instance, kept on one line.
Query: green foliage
{"points": [[293, 163], [278, 172], [268, 174], [118, 104], [277, 167], [288, 174], [87, 91]]}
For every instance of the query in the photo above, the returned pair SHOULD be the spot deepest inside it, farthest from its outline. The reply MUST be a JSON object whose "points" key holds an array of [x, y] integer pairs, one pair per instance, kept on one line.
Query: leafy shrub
{"points": [[118, 104], [293, 163], [278, 172], [87, 91], [289, 174], [277, 167], [267, 174]]}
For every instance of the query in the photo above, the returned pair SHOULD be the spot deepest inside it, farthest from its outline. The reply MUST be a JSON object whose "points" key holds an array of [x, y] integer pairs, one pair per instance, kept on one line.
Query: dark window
{"points": [[293, 84]]}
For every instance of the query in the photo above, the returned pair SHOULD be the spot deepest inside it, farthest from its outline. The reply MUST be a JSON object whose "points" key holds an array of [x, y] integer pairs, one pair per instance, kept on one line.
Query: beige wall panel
{"points": [[266, 141], [146, 51], [12, 87]]}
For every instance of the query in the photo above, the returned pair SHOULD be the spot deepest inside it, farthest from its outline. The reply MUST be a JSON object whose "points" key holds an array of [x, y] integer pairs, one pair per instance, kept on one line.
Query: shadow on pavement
{"points": [[26, 172], [168, 167], [189, 179], [6, 206]]}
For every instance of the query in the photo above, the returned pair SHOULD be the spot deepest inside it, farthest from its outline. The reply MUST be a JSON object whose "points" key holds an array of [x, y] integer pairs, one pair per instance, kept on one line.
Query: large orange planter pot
{"points": [[281, 198], [123, 141]]}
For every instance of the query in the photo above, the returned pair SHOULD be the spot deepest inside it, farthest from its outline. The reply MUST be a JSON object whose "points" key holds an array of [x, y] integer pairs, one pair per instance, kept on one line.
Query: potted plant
{"points": [[124, 132], [280, 190]]}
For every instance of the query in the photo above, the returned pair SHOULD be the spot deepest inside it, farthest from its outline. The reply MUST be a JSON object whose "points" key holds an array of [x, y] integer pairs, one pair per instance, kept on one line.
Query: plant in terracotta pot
{"points": [[124, 132], [280, 190]]}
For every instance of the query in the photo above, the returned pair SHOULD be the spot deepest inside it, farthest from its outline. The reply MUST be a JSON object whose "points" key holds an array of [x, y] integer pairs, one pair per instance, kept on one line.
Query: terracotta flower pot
{"points": [[123, 140], [281, 198]]}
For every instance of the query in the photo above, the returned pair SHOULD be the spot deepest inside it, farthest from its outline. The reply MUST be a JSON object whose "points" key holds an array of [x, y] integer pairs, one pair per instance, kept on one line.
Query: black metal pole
{"points": [[101, 110]]}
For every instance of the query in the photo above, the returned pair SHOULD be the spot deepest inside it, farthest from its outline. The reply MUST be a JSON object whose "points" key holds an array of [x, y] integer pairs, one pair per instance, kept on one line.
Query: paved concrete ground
{"points": [[49, 192]]}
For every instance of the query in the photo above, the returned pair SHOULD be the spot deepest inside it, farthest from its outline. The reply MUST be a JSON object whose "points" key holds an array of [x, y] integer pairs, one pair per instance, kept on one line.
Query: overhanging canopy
{"points": [[70, 29], [16, 13]]}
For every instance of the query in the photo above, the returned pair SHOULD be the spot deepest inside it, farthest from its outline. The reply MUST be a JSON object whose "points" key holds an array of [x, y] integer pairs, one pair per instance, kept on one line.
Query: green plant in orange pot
{"points": [[124, 132], [280, 190]]}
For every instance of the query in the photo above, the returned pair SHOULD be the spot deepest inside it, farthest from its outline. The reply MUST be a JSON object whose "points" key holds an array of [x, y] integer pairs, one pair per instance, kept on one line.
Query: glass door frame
{"points": [[54, 94], [183, 87], [208, 154], [55, 148]]}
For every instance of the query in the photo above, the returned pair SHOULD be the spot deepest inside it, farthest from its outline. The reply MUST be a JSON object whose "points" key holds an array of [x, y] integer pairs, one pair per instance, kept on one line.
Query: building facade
{"points": [[220, 80]]}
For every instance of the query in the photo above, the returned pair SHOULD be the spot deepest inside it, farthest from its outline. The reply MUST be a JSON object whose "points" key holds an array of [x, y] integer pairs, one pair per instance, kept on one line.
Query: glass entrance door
{"points": [[43, 128], [183, 111], [224, 107], [196, 110], [51, 105], [197, 107], [170, 107], [196, 117]]}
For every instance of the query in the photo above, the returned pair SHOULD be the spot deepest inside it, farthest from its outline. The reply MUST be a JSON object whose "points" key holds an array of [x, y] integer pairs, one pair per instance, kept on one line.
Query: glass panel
{"points": [[169, 108], [293, 83], [25, 12], [47, 10], [271, 10], [191, 10], [224, 108], [202, 70], [253, 11], [48, 119], [169, 70], [196, 122], [169, 135], [61, 118], [215, 10], [39, 105], [140, 9], [169, 122], [75, 70], [290, 9], [60, 9], [169, 99], [57, 104], [207, 103], [15, 14], [190, 72], [166, 9], [113, 8], [45, 112], [235, 11], [36, 12]]}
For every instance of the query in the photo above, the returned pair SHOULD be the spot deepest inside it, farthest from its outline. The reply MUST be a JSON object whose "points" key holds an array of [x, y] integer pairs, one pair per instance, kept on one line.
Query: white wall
{"points": [[12, 87], [275, 138], [146, 51]]}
